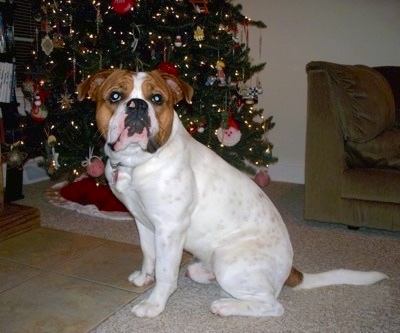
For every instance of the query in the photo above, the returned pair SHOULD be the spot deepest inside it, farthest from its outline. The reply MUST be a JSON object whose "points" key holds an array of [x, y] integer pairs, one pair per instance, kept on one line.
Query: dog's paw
{"points": [[235, 307], [147, 309], [141, 279], [198, 273], [222, 307]]}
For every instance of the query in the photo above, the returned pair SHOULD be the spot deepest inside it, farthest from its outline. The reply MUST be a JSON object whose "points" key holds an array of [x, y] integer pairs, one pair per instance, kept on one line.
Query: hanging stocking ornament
{"points": [[122, 7], [94, 165]]}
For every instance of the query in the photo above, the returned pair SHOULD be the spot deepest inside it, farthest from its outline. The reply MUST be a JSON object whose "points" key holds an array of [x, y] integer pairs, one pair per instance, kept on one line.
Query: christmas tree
{"points": [[205, 43]]}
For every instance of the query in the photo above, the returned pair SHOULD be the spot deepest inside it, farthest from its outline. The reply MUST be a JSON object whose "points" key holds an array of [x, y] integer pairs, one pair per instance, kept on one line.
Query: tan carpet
{"points": [[318, 246]]}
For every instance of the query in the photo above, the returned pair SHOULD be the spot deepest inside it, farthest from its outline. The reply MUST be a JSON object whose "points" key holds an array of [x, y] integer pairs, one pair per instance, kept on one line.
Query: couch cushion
{"points": [[381, 152], [371, 185], [363, 99]]}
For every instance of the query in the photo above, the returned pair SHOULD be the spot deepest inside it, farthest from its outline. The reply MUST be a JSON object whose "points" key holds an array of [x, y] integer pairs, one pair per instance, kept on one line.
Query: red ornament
{"points": [[122, 6], [39, 111], [95, 168], [168, 67], [262, 178]]}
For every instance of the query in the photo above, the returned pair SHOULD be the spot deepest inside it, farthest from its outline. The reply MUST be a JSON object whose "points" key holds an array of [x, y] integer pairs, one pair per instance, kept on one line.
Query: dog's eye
{"points": [[157, 99], [115, 97]]}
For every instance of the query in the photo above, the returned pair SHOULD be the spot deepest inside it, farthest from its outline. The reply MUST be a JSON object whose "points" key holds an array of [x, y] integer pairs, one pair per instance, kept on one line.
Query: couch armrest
{"points": [[325, 157]]}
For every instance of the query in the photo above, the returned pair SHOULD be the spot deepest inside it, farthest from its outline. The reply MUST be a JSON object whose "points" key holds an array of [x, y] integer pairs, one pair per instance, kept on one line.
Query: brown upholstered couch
{"points": [[352, 169]]}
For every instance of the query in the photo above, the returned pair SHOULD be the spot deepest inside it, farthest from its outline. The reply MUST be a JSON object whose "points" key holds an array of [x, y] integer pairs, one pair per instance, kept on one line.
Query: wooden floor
{"points": [[16, 219]]}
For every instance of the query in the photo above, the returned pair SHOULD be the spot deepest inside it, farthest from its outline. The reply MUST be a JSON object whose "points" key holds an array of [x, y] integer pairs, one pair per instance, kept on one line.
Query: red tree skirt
{"points": [[87, 197], [87, 192]]}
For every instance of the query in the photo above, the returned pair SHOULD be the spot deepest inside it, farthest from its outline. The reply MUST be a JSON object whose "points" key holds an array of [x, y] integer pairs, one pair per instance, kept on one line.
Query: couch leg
{"points": [[352, 227]]}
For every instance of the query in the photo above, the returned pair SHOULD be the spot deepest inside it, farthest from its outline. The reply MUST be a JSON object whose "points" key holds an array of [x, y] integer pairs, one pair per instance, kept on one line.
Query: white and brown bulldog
{"points": [[184, 196]]}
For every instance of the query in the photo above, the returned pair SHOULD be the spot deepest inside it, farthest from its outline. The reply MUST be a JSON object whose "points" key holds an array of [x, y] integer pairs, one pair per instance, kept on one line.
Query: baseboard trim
{"points": [[286, 172]]}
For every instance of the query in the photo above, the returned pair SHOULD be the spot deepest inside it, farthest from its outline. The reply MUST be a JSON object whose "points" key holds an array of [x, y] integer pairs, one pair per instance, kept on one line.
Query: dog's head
{"points": [[134, 107]]}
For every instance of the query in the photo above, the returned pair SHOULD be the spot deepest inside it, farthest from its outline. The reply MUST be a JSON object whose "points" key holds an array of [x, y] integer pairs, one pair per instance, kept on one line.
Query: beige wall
{"points": [[299, 31]]}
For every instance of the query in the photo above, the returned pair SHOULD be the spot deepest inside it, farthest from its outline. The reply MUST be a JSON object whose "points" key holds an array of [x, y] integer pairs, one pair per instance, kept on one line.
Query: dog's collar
{"points": [[118, 165], [115, 171]]}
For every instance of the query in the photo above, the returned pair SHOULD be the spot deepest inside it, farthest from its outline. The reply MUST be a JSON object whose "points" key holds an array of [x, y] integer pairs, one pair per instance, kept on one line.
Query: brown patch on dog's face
{"points": [[99, 86], [173, 90], [160, 96], [120, 82]]}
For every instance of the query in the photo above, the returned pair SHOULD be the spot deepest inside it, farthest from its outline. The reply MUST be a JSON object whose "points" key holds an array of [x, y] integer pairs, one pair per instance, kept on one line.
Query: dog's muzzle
{"points": [[137, 117], [137, 126]]}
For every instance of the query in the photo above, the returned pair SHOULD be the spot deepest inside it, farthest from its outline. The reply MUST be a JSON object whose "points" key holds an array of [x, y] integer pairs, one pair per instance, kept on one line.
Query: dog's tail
{"points": [[299, 280]]}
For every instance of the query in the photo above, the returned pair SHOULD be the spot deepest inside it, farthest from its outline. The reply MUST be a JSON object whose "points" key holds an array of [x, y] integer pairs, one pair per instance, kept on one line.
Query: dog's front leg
{"points": [[145, 276], [169, 248]]}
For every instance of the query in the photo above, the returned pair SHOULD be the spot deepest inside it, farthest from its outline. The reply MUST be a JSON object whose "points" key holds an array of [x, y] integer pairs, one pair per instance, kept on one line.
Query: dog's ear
{"points": [[91, 85], [180, 88]]}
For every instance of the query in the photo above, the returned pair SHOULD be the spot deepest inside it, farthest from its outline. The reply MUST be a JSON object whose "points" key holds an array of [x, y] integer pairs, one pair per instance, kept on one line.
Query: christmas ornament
{"points": [[248, 93], [198, 34], [94, 164], [47, 45], [96, 167], [220, 66], [168, 67], [178, 41], [200, 6], [28, 88], [267, 154], [53, 164], [136, 36], [198, 127], [51, 140], [230, 135], [122, 6], [39, 111], [262, 178], [58, 42], [66, 101], [221, 77]]}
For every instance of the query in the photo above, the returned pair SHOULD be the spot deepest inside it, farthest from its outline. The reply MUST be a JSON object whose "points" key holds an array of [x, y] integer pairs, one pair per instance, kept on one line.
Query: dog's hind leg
{"points": [[252, 280], [251, 296]]}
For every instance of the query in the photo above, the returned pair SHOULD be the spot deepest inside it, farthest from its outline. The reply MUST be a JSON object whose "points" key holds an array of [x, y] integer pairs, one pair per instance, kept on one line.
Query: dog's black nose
{"points": [[136, 104], [137, 116]]}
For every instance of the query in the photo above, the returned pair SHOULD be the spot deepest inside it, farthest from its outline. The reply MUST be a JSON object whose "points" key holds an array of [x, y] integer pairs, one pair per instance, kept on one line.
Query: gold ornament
{"points": [[51, 140], [199, 34], [58, 42], [66, 101]]}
